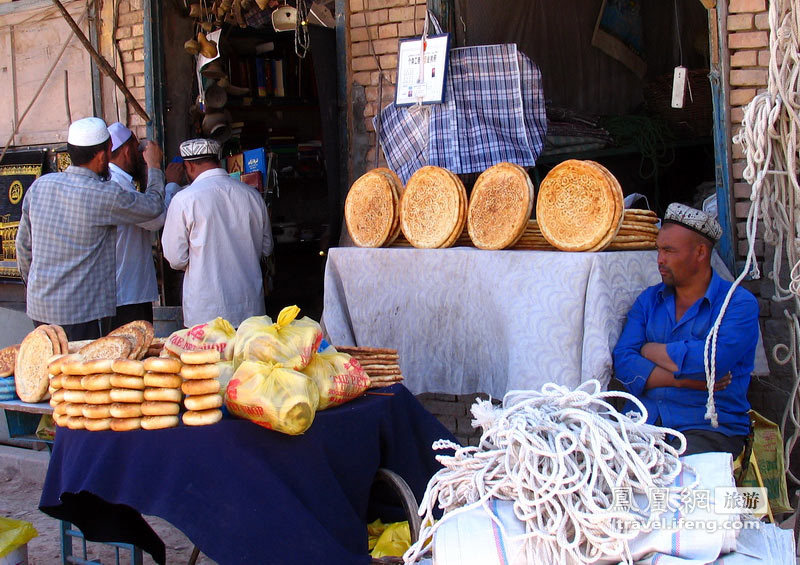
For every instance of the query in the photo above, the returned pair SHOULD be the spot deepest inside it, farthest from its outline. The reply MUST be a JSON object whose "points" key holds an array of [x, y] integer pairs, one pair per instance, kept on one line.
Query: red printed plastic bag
{"points": [[338, 376], [216, 334], [273, 396]]}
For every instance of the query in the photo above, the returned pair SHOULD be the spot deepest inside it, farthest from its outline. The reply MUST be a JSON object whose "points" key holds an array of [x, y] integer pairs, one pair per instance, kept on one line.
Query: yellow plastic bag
{"points": [[226, 372], [288, 341], [216, 334], [374, 531], [273, 396], [768, 449], [338, 376], [14, 533], [394, 540]]}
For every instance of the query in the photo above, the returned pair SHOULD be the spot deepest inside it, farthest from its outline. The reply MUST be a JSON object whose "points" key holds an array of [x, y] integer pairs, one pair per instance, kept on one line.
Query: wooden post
{"points": [[101, 62]]}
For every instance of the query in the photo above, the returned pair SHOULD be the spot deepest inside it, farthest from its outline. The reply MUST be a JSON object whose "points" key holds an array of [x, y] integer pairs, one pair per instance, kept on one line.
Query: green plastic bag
{"points": [[14, 533]]}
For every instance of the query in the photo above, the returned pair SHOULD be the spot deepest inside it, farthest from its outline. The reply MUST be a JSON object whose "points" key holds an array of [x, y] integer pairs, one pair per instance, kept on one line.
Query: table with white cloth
{"points": [[466, 320]]}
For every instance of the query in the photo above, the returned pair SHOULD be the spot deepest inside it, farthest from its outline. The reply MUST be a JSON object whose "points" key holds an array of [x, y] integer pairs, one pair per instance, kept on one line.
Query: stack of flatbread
{"points": [[131, 341], [500, 206], [638, 231], [579, 206], [532, 239], [433, 209], [371, 208], [381, 365]]}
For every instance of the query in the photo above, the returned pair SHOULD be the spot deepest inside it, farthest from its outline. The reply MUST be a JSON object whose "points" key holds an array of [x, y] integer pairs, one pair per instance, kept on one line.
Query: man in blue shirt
{"points": [[659, 356]]}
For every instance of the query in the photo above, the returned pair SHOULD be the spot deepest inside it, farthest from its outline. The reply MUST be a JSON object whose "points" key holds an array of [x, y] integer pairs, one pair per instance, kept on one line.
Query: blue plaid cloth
{"points": [[493, 111], [66, 242]]}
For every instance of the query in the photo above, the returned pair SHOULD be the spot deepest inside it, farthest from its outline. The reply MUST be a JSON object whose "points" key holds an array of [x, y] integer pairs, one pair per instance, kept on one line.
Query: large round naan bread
{"points": [[500, 206], [369, 210], [30, 376], [619, 207], [576, 206], [433, 208], [397, 191]]}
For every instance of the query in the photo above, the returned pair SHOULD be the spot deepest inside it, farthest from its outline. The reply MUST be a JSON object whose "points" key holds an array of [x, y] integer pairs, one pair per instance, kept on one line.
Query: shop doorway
{"points": [[282, 108]]}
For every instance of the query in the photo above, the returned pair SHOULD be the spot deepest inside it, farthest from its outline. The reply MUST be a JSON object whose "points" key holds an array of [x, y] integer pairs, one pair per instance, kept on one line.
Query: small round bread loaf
{"points": [[95, 366], [71, 382], [54, 366], [98, 397], [96, 382], [202, 418], [156, 408], [74, 409], [127, 381], [162, 365], [60, 420], [126, 395], [163, 394], [159, 422], [162, 380], [202, 402], [128, 367], [56, 381], [57, 397], [202, 357], [76, 423], [126, 410], [71, 364], [208, 371], [76, 396], [96, 411], [200, 386], [97, 424], [61, 409], [125, 424]]}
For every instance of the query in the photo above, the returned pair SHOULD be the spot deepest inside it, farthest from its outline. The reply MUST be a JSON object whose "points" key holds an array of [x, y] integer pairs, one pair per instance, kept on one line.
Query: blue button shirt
{"points": [[652, 319]]}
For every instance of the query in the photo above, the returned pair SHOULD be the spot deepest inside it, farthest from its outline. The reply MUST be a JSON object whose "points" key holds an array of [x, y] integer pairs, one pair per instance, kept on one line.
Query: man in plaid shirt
{"points": [[67, 233]]}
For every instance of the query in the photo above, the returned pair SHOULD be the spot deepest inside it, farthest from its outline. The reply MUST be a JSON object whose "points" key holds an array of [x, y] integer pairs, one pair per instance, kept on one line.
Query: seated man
{"points": [[659, 356]]}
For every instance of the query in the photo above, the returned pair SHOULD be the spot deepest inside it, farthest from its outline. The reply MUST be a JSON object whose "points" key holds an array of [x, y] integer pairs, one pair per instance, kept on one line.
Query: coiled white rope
{"points": [[769, 138], [561, 456]]}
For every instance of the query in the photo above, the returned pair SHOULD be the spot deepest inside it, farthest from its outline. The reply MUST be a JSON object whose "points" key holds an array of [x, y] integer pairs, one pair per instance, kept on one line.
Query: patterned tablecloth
{"points": [[466, 320]]}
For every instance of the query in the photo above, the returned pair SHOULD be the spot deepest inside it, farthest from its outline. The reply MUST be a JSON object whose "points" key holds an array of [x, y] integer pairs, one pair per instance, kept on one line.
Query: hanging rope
{"points": [[769, 138], [561, 456]]}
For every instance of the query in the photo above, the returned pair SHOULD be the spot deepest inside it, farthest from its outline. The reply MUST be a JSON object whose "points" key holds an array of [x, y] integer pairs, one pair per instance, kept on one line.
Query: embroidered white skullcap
{"points": [[199, 149], [119, 135], [87, 132], [693, 219]]}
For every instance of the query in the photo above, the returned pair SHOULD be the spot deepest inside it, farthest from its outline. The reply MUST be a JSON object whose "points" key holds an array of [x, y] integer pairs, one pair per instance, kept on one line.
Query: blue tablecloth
{"points": [[241, 493]]}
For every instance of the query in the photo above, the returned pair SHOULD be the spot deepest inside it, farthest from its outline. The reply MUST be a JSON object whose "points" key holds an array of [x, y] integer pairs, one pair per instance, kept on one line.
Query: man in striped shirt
{"points": [[67, 233]]}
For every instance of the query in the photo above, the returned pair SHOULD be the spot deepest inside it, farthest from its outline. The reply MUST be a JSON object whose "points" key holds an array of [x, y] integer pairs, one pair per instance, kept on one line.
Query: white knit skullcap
{"points": [[119, 135], [87, 132]]}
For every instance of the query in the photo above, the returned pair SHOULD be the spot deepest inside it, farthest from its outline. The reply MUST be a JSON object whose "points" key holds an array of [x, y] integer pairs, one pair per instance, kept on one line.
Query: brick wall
{"points": [[383, 22], [128, 36], [748, 42]]}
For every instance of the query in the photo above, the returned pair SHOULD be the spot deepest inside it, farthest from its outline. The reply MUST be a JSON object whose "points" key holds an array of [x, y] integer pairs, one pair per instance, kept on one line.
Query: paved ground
{"points": [[21, 478]]}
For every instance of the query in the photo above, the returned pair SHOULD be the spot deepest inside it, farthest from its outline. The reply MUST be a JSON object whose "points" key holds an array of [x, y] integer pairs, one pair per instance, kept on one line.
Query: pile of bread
{"points": [[579, 208], [111, 384]]}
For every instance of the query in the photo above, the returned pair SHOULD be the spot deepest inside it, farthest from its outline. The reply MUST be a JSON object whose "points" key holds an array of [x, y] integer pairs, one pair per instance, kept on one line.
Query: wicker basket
{"points": [[695, 119]]}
